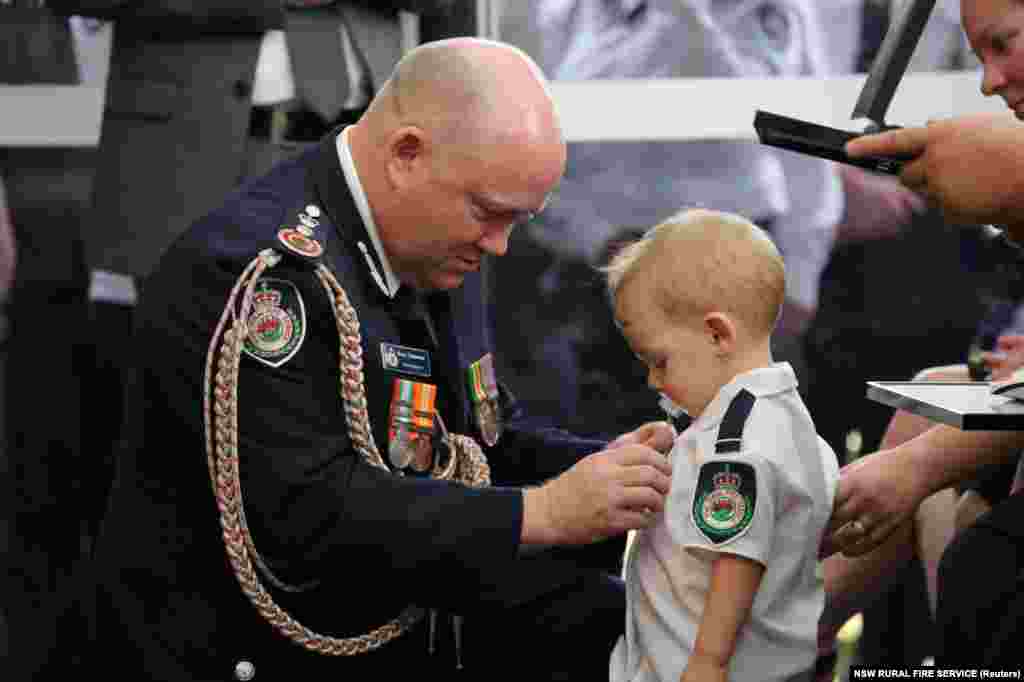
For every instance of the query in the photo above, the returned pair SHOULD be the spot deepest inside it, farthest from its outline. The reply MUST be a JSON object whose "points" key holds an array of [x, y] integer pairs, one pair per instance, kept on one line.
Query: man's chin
{"points": [[445, 280]]}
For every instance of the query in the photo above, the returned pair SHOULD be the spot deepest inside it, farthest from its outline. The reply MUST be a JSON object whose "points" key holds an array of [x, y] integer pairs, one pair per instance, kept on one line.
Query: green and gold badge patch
{"points": [[277, 324], [724, 500]]}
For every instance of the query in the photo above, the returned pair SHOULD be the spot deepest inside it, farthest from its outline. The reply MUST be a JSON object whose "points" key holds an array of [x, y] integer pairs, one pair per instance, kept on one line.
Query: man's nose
{"points": [[992, 80]]}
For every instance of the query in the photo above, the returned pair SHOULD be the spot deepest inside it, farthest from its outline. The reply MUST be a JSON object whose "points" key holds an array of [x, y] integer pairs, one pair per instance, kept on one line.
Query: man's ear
{"points": [[721, 332], [408, 149]]}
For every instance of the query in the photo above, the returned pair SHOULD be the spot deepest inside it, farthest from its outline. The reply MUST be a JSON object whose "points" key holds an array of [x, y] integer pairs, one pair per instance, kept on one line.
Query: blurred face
{"points": [[995, 29], [458, 204], [679, 356]]}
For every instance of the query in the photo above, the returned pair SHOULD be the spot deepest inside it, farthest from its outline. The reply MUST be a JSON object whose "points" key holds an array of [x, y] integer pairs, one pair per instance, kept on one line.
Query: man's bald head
{"points": [[469, 90], [459, 146]]}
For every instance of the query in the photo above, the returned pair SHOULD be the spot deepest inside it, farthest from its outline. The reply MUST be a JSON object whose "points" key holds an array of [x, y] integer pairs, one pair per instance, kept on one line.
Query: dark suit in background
{"points": [[174, 135], [47, 190]]}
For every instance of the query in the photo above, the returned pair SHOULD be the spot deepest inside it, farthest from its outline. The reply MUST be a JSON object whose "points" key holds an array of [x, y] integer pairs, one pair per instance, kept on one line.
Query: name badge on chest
{"points": [[405, 359]]}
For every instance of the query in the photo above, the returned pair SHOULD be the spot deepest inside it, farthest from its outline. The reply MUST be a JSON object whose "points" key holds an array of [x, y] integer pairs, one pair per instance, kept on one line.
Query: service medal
{"points": [[411, 424], [488, 418], [483, 391], [399, 447], [423, 453]]}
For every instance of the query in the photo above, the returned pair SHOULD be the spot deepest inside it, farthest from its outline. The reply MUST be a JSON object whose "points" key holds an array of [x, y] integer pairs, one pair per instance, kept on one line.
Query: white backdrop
{"points": [[668, 109]]}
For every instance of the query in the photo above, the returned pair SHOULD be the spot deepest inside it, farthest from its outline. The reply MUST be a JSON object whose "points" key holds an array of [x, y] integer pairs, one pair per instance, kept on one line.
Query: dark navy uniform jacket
{"points": [[169, 606]]}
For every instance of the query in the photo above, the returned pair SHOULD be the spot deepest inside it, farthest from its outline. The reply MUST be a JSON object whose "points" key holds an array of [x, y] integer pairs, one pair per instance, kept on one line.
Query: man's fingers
{"points": [[640, 499], [633, 455], [859, 544], [842, 506], [629, 520], [913, 176], [903, 142], [624, 439], [1010, 341], [645, 476]]}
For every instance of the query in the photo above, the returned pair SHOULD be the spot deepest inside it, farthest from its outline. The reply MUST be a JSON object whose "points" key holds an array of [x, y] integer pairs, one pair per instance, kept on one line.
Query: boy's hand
{"points": [[656, 435], [704, 668]]}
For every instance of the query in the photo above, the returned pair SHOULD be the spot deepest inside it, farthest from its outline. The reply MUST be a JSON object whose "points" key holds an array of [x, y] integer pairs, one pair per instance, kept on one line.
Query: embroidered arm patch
{"points": [[724, 499], [277, 324]]}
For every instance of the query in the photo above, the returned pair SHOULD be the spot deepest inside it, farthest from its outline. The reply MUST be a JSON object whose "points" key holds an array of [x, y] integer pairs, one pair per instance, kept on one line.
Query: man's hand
{"points": [[969, 508], [701, 668], [658, 436], [972, 167], [1007, 357], [876, 494], [603, 495]]}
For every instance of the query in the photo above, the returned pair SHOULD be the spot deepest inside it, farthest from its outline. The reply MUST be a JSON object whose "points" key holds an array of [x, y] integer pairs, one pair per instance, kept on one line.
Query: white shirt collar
{"points": [[389, 283], [775, 378]]}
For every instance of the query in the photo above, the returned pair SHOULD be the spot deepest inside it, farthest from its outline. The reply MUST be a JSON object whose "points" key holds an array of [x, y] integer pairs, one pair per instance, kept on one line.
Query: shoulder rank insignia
{"points": [[298, 243], [301, 239], [277, 324], [724, 500]]}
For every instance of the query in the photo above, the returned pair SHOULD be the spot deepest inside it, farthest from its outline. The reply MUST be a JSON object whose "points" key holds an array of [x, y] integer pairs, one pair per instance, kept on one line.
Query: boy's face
{"points": [[679, 355]]}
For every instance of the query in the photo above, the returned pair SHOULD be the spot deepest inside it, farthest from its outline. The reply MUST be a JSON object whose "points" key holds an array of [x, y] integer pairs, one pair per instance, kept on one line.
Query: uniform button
{"points": [[242, 89], [244, 671]]}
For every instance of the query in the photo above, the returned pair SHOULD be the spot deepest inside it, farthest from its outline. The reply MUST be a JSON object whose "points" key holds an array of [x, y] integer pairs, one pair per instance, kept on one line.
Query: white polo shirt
{"points": [[669, 564]]}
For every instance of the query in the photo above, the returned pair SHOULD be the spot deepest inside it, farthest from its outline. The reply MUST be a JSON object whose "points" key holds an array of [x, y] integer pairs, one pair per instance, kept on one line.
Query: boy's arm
{"points": [[734, 583]]}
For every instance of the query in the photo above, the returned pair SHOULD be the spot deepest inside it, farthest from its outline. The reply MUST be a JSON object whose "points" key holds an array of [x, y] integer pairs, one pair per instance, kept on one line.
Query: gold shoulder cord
{"points": [[465, 464]]}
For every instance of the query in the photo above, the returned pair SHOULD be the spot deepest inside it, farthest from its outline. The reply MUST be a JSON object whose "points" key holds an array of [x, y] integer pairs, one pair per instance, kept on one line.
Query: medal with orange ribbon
{"points": [[411, 425]]}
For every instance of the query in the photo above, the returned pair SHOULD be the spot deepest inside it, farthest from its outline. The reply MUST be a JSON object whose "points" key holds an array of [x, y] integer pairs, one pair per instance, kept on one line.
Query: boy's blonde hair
{"points": [[703, 261]]}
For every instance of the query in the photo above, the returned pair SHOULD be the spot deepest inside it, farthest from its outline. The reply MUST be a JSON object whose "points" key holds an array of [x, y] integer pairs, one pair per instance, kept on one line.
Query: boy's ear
{"points": [[721, 332]]}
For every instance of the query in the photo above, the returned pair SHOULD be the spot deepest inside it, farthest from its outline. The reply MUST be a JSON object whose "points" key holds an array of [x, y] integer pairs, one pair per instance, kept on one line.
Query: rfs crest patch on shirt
{"points": [[724, 500], [277, 324]]}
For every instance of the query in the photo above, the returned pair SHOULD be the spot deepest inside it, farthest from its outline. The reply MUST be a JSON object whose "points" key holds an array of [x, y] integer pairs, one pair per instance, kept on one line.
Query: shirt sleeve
{"points": [[731, 506]]}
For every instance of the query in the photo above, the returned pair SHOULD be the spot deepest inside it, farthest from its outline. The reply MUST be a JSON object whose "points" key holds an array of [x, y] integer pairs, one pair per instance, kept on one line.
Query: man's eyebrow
{"points": [[499, 205]]}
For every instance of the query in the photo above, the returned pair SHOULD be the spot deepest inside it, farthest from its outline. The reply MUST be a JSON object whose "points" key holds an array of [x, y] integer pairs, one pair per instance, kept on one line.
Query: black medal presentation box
{"points": [[969, 406], [817, 140], [886, 72]]}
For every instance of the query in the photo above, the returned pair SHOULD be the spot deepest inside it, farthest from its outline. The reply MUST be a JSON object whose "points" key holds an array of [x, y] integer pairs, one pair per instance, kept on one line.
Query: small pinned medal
{"points": [[483, 390]]}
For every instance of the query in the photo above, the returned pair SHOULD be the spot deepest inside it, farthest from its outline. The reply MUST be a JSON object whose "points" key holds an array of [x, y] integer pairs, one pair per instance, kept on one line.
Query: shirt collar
{"points": [[389, 284], [777, 377]]}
